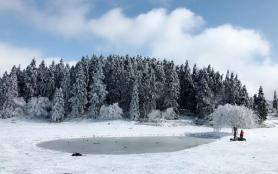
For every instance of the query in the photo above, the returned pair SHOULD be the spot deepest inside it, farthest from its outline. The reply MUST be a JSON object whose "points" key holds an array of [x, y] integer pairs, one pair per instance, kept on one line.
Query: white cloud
{"points": [[62, 17], [181, 35], [178, 35], [143, 29], [11, 55]]}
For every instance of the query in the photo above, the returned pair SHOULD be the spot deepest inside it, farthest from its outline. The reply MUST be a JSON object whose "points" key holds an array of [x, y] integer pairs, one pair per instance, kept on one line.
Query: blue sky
{"points": [[238, 35]]}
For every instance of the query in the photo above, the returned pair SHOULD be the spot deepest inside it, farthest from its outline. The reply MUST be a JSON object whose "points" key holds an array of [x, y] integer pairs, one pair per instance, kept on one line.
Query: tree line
{"points": [[138, 84]]}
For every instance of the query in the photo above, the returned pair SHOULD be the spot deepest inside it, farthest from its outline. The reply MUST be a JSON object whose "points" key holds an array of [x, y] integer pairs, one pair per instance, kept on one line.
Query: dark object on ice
{"points": [[76, 154], [241, 139], [233, 139], [237, 139]]}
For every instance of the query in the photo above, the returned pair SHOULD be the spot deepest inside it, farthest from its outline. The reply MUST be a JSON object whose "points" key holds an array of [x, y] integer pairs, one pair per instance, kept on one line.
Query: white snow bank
{"points": [[19, 153]]}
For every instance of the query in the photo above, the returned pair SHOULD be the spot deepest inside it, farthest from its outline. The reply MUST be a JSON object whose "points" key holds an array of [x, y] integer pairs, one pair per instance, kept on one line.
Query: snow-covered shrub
{"points": [[169, 114], [38, 107], [233, 116], [19, 102], [13, 108], [110, 112], [58, 111], [155, 116], [7, 113]]}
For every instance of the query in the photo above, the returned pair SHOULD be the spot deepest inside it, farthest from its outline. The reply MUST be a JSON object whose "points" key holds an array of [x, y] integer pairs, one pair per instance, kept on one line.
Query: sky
{"points": [[241, 36]]}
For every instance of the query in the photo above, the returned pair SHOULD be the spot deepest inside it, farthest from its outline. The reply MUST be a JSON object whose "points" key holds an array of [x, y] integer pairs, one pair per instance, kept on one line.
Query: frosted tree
{"points": [[160, 83], [58, 111], [21, 82], [4, 88], [97, 91], [30, 80], [233, 116], [275, 101], [134, 111], [110, 112], [38, 107], [10, 94], [187, 88], [85, 66], [78, 100], [13, 86], [113, 79], [172, 86], [66, 88], [243, 97], [2, 98], [42, 69], [260, 105], [203, 96], [217, 87], [50, 85], [59, 73], [147, 91], [130, 74]]}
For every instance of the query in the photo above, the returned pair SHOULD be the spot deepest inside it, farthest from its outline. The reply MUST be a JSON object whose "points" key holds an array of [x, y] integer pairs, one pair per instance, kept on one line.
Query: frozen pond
{"points": [[125, 145]]}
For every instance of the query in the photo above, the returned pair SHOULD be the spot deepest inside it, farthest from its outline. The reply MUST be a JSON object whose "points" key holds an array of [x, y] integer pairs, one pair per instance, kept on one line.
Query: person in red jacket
{"points": [[241, 134]]}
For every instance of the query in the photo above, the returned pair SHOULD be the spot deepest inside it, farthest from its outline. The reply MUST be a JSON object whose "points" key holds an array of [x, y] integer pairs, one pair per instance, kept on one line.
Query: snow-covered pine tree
{"points": [[97, 91], [66, 88], [58, 111], [59, 73], [85, 65], [50, 82], [2, 99], [30, 77], [13, 86], [203, 96], [11, 92], [229, 96], [195, 73], [78, 100], [112, 73], [4, 89], [152, 95], [130, 74], [147, 91], [42, 80], [237, 90], [275, 101], [160, 83], [21, 82], [134, 110], [217, 88], [172, 86], [187, 88], [243, 97], [261, 105]]}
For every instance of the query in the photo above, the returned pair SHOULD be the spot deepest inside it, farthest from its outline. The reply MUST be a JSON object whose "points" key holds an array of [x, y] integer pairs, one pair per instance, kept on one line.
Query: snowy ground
{"points": [[19, 153]]}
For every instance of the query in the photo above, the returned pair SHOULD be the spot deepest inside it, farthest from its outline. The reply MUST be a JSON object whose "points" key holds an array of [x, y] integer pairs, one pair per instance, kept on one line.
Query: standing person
{"points": [[235, 133]]}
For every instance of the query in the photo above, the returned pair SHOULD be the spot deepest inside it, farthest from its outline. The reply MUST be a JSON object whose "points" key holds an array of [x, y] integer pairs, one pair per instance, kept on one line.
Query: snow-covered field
{"points": [[20, 155]]}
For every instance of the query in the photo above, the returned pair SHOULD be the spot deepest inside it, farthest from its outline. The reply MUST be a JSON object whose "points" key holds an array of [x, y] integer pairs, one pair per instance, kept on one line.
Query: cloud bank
{"points": [[179, 35]]}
